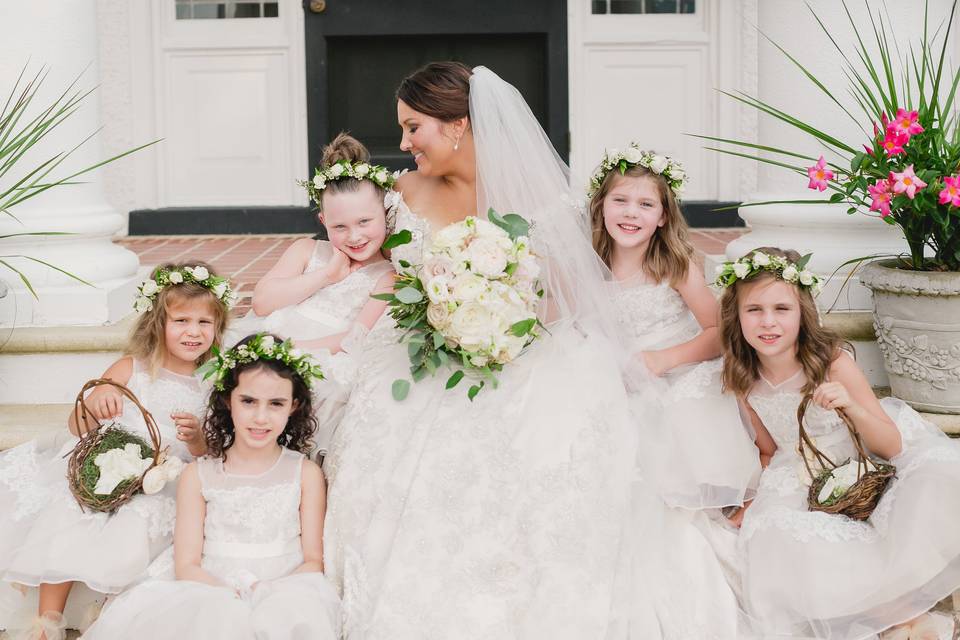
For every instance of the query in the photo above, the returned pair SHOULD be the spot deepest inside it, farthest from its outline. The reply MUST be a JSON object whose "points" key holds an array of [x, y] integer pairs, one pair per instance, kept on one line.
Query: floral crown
{"points": [[375, 173], [261, 346], [634, 156], [148, 291], [749, 266]]}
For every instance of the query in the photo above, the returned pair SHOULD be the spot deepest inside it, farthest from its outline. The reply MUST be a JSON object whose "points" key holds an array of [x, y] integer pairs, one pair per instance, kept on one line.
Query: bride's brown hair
{"points": [[817, 346], [440, 90]]}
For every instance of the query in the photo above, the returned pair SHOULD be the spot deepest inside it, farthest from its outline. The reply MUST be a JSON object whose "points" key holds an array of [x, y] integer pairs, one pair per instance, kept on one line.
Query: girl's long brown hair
{"points": [[669, 252], [146, 341], [817, 347]]}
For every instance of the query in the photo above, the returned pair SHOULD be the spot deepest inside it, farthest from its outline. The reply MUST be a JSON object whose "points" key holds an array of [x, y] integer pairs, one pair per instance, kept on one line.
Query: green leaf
{"points": [[414, 349], [400, 389], [514, 225], [419, 374], [802, 262], [837, 197], [404, 264], [474, 390], [398, 239], [455, 379], [511, 268], [438, 340], [409, 295], [522, 328], [389, 297]]}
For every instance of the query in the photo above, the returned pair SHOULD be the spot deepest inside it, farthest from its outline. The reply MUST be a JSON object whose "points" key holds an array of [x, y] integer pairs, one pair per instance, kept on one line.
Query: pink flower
{"points": [[906, 123], [951, 192], [869, 150], [907, 182], [893, 143], [819, 174], [880, 192]]}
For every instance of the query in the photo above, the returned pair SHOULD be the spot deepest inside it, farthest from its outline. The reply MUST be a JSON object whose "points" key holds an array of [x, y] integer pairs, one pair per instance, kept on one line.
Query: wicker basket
{"points": [[859, 501], [90, 439]]}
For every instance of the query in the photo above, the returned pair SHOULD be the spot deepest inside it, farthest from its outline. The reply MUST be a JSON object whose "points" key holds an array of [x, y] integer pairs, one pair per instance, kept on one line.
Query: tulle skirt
{"points": [[814, 575]]}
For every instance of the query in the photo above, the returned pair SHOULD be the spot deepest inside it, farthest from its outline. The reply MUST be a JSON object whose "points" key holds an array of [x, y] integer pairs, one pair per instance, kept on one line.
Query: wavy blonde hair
{"points": [[669, 252], [817, 347], [146, 341]]}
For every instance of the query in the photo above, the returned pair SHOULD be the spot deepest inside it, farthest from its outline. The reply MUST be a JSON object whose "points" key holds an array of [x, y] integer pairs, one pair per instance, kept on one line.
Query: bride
{"points": [[508, 516]]}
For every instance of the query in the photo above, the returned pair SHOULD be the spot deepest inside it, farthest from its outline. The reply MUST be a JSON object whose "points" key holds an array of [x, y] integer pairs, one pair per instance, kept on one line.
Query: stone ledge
{"points": [[852, 325], [22, 422], [111, 337]]}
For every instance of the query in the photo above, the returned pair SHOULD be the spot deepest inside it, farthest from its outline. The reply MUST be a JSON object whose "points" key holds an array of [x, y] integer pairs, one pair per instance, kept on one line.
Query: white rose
{"points": [[267, 343], [438, 266], [719, 269], [438, 289], [200, 273], [846, 474], [142, 304], [471, 324], [319, 181], [380, 176], [438, 315], [761, 259], [528, 269], [467, 287], [149, 287], [827, 490], [486, 229], [741, 269], [296, 353], [118, 465], [508, 347], [154, 480], [658, 164], [486, 257], [220, 289], [806, 278], [790, 274], [633, 155], [361, 170], [172, 467], [336, 170], [176, 277], [479, 361], [452, 236]]}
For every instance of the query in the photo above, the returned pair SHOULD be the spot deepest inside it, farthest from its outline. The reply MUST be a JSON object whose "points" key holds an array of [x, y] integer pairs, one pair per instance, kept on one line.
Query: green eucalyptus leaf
{"points": [[409, 295], [399, 238], [400, 389]]}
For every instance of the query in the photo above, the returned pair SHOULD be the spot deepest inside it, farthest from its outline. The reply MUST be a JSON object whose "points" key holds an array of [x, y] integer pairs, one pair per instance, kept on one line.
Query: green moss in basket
{"points": [[113, 438]]}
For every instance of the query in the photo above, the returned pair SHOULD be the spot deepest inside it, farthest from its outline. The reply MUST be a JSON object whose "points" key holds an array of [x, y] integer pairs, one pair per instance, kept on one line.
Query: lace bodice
{"points": [[163, 394], [337, 305], [654, 316], [263, 509], [776, 404], [405, 219]]}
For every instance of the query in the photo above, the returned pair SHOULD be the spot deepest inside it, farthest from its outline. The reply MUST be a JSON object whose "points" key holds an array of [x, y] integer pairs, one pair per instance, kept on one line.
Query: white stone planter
{"points": [[917, 321]]}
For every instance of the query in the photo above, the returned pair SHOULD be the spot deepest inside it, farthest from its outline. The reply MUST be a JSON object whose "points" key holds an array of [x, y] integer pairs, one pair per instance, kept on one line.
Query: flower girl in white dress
{"points": [[808, 573], [318, 293], [47, 540], [248, 548]]}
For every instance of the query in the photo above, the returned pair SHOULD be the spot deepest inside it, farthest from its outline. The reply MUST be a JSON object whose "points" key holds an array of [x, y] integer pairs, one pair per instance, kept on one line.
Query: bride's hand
{"points": [[339, 266]]}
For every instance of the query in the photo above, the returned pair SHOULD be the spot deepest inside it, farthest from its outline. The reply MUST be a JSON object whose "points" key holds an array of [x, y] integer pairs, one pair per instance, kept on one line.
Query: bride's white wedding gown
{"points": [[506, 517]]}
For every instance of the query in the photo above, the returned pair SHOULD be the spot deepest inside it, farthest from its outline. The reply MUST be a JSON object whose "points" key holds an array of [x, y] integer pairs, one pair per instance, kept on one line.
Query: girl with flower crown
{"points": [[813, 574], [248, 548], [47, 540], [318, 293], [694, 448]]}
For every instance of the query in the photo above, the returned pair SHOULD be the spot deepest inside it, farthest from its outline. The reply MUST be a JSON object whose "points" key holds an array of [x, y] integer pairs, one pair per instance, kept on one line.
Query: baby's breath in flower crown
{"points": [[633, 156], [148, 291], [749, 266], [260, 347], [377, 174]]}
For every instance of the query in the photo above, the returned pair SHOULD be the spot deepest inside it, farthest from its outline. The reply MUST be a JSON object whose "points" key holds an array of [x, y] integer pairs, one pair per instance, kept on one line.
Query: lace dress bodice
{"points": [[406, 220], [654, 316], [252, 523], [165, 393]]}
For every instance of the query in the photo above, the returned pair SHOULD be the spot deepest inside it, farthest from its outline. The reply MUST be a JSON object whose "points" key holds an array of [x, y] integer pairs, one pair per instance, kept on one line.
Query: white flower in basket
{"points": [[119, 465]]}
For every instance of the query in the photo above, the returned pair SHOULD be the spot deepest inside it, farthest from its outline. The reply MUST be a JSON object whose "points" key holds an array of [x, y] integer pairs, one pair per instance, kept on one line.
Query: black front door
{"points": [[358, 51]]}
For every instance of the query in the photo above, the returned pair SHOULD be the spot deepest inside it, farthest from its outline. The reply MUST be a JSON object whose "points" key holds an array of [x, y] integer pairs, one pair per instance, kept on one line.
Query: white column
{"points": [[62, 36], [827, 231]]}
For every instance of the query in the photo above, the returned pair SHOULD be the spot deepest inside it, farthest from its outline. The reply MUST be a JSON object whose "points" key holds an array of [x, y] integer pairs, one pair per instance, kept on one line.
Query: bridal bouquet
{"points": [[471, 305]]}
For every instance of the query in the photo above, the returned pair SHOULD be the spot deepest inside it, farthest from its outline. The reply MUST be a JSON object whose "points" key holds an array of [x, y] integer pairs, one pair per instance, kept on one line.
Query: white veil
{"points": [[518, 171]]}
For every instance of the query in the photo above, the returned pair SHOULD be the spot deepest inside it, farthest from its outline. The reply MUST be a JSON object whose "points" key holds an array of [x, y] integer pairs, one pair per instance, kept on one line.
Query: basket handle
{"points": [[807, 442], [81, 410]]}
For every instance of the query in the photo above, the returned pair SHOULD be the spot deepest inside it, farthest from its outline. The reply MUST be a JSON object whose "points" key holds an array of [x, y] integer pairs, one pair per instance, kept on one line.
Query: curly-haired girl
{"points": [[248, 545]]}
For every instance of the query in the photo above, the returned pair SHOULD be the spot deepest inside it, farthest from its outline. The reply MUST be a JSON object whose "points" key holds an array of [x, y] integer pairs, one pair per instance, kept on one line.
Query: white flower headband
{"points": [[634, 156], [262, 346], [377, 174], [148, 291], [749, 266]]}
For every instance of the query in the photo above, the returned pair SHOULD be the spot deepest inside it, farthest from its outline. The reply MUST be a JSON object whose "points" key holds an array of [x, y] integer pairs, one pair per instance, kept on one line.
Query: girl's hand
{"points": [[656, 362], [105, 402], [737, 518], [833, 395], [188, 427], [338, 267]]}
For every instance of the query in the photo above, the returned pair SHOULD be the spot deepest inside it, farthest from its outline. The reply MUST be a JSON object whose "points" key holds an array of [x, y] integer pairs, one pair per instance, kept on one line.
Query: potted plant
{"points": [[905, 171]]}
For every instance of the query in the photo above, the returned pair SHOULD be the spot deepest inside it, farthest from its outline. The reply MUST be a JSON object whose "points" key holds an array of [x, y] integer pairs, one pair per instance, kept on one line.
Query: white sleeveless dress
{"points": [[251, 535], [47, 538], [330, 310], [811, 574], [697, 452]]}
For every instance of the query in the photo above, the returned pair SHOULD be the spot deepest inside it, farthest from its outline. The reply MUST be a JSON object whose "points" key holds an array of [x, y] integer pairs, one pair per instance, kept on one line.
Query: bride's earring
{"points": [[456, 144]]}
